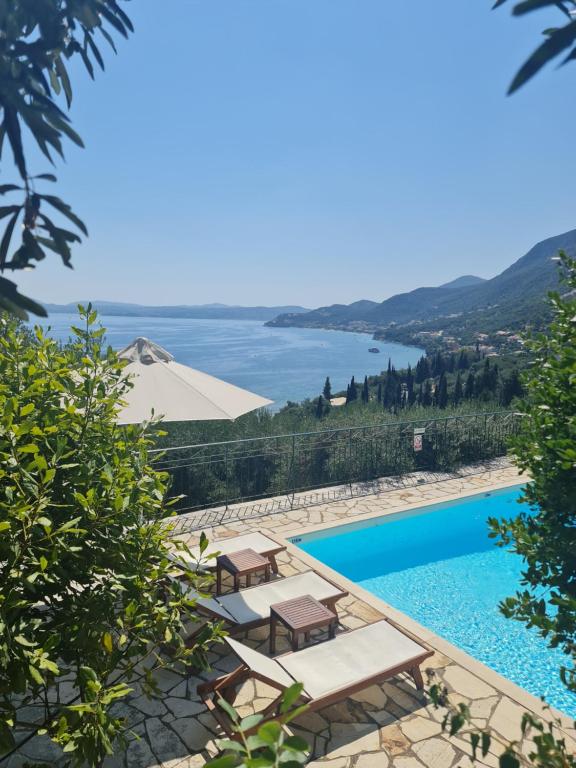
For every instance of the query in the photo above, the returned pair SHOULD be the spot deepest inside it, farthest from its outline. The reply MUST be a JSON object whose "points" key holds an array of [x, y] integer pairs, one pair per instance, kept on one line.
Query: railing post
{"points": [[350, 460], [226, 474], [292, 471]]}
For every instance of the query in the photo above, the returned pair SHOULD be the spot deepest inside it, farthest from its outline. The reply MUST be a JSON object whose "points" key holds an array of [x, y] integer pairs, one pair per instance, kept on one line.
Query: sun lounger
{"points": [[329, 671], [250, 607], [260, 543]]}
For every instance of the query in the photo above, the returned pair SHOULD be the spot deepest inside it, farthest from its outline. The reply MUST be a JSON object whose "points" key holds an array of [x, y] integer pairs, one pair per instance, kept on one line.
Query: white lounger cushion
{"points": [[254, 603], [261, 664], [256, 541], [212, 605], [350, 658]]}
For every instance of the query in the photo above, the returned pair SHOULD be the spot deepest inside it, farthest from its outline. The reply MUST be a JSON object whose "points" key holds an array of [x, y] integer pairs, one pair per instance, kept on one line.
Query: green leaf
{"points": [[6, 738], [250, 722], [21, 640], [6, 238], [456, 724], [65, 210], [291, 696], [229, 709], [64, 79], [509, 760], [533, 5], [225, 761], [35, 674], [561, 39], [15, 303], [259, 762], [29, 448], [88, 40], [233, 746], [32, 247], [297, 743], [12, 127], [108, 39], [269, 732]]}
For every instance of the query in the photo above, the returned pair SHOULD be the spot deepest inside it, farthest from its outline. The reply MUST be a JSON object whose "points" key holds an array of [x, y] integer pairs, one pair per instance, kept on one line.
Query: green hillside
{"points": [[462, 308]]}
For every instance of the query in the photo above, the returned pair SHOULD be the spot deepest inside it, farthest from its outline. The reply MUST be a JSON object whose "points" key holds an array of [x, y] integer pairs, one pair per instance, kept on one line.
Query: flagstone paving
{"points": [[388, 725]]}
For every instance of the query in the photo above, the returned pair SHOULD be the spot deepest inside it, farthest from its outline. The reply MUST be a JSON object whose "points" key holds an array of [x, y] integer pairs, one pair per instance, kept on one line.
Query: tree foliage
{"points": [[548, 747], [559, 41], [85, 596], [546, 451], [38, 38], [263, 745], [546, 537]]}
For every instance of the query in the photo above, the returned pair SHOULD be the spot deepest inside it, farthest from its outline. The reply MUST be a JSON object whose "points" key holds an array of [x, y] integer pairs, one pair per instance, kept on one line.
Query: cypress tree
{"points": [[389, 395], [427, 394], [399, 392], [319, 407], [410, 396], [379, 395], [470, 386], [511, 388], [365, 391], [442, 392], [422, 370], [352, 391], [327, 391], [418, 373], [438, 364], [458, 391]]}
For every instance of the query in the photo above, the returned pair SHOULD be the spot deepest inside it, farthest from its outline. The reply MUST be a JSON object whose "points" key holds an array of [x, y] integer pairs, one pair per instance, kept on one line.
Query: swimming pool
{"points": [[437, 565]]}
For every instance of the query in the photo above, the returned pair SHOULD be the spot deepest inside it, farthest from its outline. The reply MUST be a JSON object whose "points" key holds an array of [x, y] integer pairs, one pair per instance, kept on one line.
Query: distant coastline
{"points": [[192, 312]]}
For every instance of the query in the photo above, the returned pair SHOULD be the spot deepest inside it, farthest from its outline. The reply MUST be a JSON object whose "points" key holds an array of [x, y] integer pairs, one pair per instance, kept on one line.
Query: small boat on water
{"points": [[374, 350]]}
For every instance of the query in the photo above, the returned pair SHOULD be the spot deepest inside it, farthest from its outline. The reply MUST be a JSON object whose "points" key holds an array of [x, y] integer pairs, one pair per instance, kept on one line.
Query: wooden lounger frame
{"points": [[269, 553], [232, 627], [225, 686]]}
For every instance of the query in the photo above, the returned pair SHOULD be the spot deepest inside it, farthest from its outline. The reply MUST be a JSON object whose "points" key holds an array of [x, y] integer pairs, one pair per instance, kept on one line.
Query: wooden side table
{"points": [[300, 616], [245, 562]]}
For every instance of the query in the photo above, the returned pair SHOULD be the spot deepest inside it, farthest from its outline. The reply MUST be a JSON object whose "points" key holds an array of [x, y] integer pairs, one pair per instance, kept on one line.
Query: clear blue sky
{"points": [[311, 152]]}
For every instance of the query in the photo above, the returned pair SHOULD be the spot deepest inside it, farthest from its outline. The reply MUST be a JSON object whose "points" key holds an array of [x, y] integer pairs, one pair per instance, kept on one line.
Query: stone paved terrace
{"points": [[387, 725]]}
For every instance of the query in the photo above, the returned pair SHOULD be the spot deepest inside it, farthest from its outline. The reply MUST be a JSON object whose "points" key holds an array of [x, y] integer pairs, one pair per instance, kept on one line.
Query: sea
{"points": [[279, 363]]}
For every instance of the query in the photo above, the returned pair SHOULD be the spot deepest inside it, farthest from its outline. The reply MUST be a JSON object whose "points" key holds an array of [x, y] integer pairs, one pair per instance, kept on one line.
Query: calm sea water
{"points": [[279, 363], [438, 566]]}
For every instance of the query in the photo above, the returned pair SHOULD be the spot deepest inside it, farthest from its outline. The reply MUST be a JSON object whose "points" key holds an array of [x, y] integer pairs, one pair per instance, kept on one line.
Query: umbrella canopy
{"points": [[177, 392]]}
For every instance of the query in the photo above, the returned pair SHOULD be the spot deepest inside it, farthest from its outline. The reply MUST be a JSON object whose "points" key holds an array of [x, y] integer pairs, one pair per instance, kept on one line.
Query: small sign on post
{"points": [[418, 434]]}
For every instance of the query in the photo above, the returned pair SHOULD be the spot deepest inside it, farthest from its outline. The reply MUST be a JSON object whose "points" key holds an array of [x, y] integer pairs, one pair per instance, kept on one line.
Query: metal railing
{"points": [[219, 475]]}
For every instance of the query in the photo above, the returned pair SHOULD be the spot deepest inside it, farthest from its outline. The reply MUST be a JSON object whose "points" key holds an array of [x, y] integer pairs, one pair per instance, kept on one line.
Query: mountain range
{"points": [[461, 308], [196, 312]]}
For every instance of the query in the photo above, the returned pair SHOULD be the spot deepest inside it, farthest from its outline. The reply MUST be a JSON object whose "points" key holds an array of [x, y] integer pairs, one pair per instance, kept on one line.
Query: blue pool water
{"points": [[438, 566]]}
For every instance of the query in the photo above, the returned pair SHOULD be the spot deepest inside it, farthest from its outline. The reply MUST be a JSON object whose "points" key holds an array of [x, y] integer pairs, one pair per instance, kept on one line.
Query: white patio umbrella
{"points": [[163, 387]]}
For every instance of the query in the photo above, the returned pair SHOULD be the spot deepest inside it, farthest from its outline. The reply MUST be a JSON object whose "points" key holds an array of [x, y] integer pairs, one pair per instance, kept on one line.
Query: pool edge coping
{"points": [[477, 668]]}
